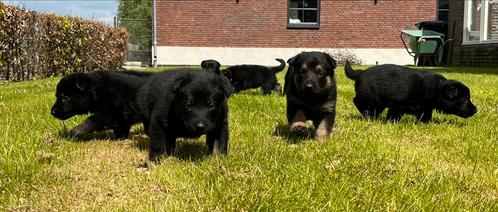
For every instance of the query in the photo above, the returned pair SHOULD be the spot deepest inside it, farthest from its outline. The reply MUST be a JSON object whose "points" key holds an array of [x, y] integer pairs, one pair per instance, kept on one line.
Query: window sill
{"points": [[468, 43], [303, 26]]}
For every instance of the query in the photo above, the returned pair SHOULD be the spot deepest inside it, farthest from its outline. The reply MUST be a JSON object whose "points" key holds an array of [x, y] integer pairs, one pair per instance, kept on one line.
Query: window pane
{"points": [[310, 16], [443, 4], [294, 17], [474, 20], [442, 16], [492, 20], [303, 16], [294, 3], [303, 4], [311, 4]]}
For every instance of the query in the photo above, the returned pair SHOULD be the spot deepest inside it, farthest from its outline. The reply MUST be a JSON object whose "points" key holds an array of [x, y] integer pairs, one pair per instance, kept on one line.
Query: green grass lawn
{"points": [[450, 163]]}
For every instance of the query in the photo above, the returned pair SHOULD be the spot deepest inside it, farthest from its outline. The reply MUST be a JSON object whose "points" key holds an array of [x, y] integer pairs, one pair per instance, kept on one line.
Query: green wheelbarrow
{"points": [[423, 43]]}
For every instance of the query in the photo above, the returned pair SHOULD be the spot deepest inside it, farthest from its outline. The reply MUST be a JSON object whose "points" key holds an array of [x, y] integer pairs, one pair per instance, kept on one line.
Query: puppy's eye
{"points": [[210, 104], [65, 98], [188, 106]]}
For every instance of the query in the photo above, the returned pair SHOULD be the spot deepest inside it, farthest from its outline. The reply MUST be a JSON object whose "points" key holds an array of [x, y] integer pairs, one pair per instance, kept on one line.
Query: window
{"points": [[303, 14], [442, 10], [480, 21]]}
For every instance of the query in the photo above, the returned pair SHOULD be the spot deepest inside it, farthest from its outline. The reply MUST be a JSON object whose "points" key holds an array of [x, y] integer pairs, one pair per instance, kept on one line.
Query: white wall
{"points": [[171, 55]]}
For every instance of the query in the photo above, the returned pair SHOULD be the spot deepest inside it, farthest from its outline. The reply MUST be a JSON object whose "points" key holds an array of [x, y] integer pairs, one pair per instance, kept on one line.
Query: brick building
{"points": [[474, 25], [257, 31]]}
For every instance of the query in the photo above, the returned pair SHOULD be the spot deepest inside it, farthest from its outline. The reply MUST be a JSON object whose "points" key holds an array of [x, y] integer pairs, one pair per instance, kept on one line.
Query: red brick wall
{"points": [[263, 23]]}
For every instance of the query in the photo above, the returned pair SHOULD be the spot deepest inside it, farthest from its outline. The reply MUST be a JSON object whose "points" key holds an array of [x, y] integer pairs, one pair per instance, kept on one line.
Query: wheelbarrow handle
{"points": [[424, 37], [406, 47]]}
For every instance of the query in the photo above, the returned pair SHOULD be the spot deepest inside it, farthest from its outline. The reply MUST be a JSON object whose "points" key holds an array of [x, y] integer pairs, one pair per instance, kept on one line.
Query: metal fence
{"points": [[140, 39]]}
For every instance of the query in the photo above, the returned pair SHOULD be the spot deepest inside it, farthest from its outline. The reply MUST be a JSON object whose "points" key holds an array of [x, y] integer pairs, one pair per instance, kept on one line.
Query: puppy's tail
{"points": [[350, 73], [279, 68]]}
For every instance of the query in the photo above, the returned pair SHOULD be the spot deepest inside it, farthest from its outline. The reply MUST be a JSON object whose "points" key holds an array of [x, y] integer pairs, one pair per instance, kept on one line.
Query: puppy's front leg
{"points": [[298, 123], [425, 116], [218, 139], [157, 141], [323, 127], [95, 122]]}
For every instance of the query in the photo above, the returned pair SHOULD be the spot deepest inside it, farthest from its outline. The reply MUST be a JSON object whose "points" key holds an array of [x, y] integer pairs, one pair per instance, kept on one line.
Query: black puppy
{"points": [[245, 77], [108, 95], [311, 93], [405, 90], [184, 103], [211, 65], [214, 66]]}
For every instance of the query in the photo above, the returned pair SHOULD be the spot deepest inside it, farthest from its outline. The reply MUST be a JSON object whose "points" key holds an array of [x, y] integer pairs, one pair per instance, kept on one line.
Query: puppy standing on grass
{"points": [[109, 96], [184, 103], [311, 93], [245, 77], [214, 67], [405, 90]]}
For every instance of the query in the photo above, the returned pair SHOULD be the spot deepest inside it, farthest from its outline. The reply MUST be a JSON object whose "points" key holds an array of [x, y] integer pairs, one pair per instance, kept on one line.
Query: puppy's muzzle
{"points": [[308, 87], [471, 110], [59, 114], [200, 127]]}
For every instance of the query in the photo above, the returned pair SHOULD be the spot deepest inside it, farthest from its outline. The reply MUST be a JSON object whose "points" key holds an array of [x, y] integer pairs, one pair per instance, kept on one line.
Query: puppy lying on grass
{"points": [[108, 96], [184, 103], [408, 91], [311, 93], [245, 77]]}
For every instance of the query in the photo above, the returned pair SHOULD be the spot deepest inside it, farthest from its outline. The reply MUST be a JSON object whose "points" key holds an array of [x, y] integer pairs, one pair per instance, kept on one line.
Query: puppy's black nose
{"points": [[53, 112], [308, 85], [200, 126], [474, 110]]}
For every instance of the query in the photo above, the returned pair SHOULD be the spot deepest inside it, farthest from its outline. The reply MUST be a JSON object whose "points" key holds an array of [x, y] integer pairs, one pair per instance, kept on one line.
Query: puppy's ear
{"points": [[227, 73], [203, 64], [330, 61], [180, 82], [218, 65], [84, 84], [226, 87], [292, 60], [450, 92]]}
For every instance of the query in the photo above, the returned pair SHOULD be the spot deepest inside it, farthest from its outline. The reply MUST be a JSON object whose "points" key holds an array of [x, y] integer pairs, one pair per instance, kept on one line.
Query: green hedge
{"points": [[34, 45]]}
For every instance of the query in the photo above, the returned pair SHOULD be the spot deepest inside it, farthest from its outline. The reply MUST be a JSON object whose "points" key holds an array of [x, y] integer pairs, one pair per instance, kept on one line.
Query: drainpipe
{"points": [[154, 29]]}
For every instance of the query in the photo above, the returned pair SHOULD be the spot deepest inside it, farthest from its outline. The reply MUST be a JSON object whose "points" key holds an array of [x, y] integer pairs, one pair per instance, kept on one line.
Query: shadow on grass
{"points": [[186, 149], [191, 150], [258, 92], [282, 130], [101, 135], [492, 70], [407, 119]]}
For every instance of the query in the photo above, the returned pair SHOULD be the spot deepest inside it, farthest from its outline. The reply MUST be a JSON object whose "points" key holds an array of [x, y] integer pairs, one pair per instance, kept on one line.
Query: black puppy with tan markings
{"points": [[311, 93], [408, 91]]}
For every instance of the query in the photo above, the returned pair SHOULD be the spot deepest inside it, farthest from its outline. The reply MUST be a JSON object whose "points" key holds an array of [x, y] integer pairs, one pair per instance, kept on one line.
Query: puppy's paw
{"points": [[80, 130], [155, 157], [321, 136], [298, 128]]}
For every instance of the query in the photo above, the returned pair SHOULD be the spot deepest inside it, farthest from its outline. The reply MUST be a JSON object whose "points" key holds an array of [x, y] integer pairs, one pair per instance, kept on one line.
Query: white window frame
{"points": [[483, 30]]}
